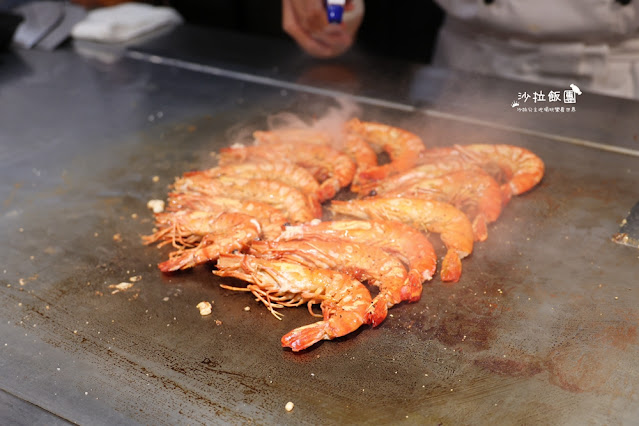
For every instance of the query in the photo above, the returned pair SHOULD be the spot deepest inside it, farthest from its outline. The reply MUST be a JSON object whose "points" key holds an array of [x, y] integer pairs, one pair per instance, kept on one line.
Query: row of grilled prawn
{"points": [[253, 193]]}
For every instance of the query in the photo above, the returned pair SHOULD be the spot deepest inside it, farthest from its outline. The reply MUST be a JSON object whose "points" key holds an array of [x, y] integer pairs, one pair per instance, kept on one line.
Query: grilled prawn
{"points": [[364, 263], [453, 226], [351, 144], [407, 243], [292, 136], [271, 219], [182, 229], [419, 172], [344, 300], [330, 167], [288, 173], [404, 148], [516, 168], [362, 154], [474, 192], [285, 198], [227, 233]]}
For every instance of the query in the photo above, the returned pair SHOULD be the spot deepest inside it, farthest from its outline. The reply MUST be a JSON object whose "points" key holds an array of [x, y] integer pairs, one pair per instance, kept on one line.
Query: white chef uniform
{"points": [[592, 43]]}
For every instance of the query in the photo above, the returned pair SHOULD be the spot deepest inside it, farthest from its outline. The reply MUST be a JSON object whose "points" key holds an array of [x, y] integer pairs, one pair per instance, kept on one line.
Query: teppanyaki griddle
{"points": [[541, 327]]}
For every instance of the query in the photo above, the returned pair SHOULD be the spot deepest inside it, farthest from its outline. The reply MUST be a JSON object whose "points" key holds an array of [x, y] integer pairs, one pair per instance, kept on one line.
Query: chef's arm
{"points": [[307, 23]]}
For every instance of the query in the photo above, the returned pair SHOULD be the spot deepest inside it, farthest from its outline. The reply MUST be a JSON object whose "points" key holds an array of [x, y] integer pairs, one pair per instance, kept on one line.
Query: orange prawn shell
{"points": [[364, 263], [516, 168], [455, 229], [344, 300], [403, 147]]}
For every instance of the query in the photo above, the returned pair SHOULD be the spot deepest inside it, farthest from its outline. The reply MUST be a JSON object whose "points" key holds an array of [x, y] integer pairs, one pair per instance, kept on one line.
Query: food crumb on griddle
{"points": [[205, 308], [156, 178], [123, 286], [117, 237], [135, 278], [247, 308], [156, 205], [289, 406]]}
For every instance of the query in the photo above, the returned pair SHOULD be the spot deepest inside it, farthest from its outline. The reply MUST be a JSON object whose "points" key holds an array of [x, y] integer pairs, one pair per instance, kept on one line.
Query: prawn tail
{"points": [[377, 312], [186, 259], [305, 336], [480, 229], [328, 189], [451, 267], [355, 185], [183, 261], [374, 174], [316, 204], [506, 194], [412, 290], [378, 173]]}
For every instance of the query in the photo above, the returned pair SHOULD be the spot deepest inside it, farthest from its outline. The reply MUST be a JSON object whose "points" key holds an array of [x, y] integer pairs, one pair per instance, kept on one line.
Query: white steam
{"points": [[332, 122]]}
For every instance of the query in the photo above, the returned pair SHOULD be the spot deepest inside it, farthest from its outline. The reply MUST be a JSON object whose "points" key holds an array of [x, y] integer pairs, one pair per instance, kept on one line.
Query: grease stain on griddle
{"points": [[523, 366], [588, 360], [461, 315], [469, 317]]}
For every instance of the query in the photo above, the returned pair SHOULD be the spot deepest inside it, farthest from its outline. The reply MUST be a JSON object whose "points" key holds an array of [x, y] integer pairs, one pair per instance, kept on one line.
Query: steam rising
{"points": [[331, 123]]}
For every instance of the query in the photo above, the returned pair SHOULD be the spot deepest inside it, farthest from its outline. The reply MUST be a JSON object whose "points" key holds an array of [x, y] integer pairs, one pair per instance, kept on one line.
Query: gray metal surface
{"points": [[395, 84], [542, 327], [629, 229]]}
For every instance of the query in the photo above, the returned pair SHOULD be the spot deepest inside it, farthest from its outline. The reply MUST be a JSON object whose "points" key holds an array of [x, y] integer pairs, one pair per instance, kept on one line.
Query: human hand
{"points": [[306, 22]]}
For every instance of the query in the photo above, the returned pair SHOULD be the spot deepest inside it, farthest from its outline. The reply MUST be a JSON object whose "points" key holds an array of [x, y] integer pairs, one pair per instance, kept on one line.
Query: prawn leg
{"points": [[233, 231]]}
